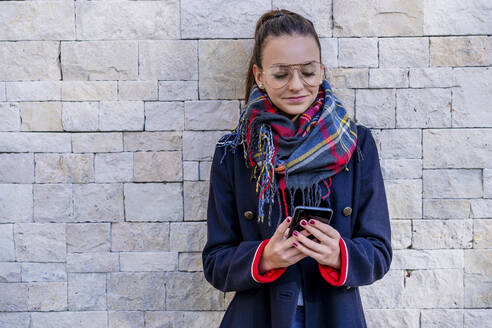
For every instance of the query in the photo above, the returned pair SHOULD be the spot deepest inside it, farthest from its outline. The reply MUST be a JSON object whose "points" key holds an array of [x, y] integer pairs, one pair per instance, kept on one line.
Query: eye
{"points": [[280, 76], [308, 74]]}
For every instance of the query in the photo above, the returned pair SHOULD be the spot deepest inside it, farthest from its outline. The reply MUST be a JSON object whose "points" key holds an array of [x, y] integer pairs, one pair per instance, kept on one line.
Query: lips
{"points": [[296, 99]]}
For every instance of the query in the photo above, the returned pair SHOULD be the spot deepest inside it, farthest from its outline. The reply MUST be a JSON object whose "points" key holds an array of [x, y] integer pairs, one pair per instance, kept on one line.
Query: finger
{"points": [[318, 234], [326, 228], [313, 246], [282, 228], [305, 250]]}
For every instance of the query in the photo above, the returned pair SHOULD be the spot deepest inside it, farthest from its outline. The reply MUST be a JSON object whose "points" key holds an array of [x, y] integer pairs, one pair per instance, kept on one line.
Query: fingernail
{"points": [[311, 221], [295, 244], [303, 222], [295, 233], [288, 220]]}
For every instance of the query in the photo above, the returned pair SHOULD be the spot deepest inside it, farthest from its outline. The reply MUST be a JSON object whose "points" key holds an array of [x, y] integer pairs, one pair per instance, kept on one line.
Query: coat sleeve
{"points": [[366, 256], [230, 263]]}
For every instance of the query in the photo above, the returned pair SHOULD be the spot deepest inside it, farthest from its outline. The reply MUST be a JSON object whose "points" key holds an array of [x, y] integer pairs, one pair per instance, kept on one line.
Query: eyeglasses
{"points": [[277, 77]]}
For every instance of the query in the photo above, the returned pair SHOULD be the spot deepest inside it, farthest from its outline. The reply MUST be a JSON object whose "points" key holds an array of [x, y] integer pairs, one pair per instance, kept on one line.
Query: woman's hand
{"points": [[279, 252], [325, 248]]}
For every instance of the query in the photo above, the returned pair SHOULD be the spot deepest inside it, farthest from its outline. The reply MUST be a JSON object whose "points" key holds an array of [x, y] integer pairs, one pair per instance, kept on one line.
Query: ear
{"points": [[257, 75]]}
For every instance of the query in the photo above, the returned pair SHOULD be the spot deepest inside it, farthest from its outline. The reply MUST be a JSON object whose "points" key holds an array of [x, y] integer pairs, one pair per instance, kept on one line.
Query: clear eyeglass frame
{"points": [[310, 73]]}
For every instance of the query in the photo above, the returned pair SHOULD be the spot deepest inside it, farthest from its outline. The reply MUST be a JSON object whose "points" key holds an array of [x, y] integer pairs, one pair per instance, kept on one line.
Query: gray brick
{"points": [[16, 203], [42, 242], [132, 237], [86, 291]]}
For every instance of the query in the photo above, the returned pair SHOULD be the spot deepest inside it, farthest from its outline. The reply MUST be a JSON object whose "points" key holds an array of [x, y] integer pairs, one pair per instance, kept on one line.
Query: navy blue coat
{"points": [[233, 242]]}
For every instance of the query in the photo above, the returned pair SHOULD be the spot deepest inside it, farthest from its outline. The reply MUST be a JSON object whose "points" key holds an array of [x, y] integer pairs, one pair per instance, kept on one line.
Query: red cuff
{"points": [[334, 276], [268, 276]]}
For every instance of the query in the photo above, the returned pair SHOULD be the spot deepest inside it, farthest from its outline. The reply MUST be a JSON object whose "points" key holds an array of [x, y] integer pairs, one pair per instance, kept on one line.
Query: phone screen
{"points": [[306, 212]]}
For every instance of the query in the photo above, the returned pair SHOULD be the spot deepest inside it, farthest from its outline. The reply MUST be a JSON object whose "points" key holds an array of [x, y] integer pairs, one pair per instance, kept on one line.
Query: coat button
{"points": [[348, 287], [347, 211], [249, 215]]}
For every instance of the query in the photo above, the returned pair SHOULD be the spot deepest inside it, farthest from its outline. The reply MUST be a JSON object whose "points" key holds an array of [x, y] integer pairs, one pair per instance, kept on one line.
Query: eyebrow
{"points": [[282, 64]]}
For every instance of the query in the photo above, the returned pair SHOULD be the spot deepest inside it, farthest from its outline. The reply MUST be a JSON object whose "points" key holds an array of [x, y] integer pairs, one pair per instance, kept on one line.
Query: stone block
{"points": [[41, 116], [487, 183], [190, 291], [401, 234], [329, 52], [125, 319], [158, 166], [99, 60], [190, 171], [80, 116], [161, 20], [33, 91], [401, 143], [16, 203], [347, 98], [441, 318], [478, 291], [89, 207], [432, 234], [381, 18], [423, 108], [13, 297], [154, 141], [97, 142], [481, 208], [178, 90], [401, 168], [205, 169], [341, 78], [482, 230], [114, 167], [460, 51], [196, 200], [16, 168], [86, 291], [454, 17], [454, 183], [15, 320], [376, 108], [434, 77], [358, 52], [47, 296], [64, 168], [477, 318], [121, 116], [53, 203], [471, 96], [10, 119], [88, 237], [168, 60], [139, 237], [41, 242], [447, 209], [83, 319], [10, 272], [388, 78], [143, 291], [3, 91], [188, 236], [384, 293], [44, 272], [403, 52], [199, 146], [477, 261], [149, 261], [404, 198], [7, 249], [39, 60], [198, 319], [442, 151], [137, 90], [190, 262], [441, 288], [153, 202], [162, 116], [92, 262], [211, 115], [223, 66], [89, 90], [412, 259], [404, 318]]}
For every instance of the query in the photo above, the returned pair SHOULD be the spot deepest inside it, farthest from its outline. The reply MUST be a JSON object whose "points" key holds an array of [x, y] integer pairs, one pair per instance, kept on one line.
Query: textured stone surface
{"points": [[441, 318], [92, 262], [126, 20], [376, 108], [13, 297], [15, 320], [80, 116], [480, 208], [64, 168], [200, 145], [162, 116], [211, 115], [347, 98], [117, 167], [136, 291], [178, 90], [18, 142], [404, 198], [16, 168], [401, 168], [153, 202], [401, 234], [11, 272], [477, 318], [195, 200], [478, 291], [83, 319], [223, 68], [401, 143], [137, 90], [43, 242], [388, 78], [41, 116], [190, 171], [447, 208], [86, 291], [431, 77], [149, 261], [348, 77], [190, 262], [47, 296], [158, 319], [329, 51], [471, 95], [482, 230], [135, 141], [410, 259], [140, 237], [97, 142], [403, 52], [358, 52], [33, 91], [16, 203], [157, 166], [423, 108], [43, 272], [487, 183], [89, 90], [405, 318], [188, 236], [9, 117], [7, 249], [190, 291], [384, 293], [430, 234], [460, 51], [453, 183], [53, 203], [100, 60], [205, 169], [125, 319], [88, 206], [121, 116], [88, 237]]}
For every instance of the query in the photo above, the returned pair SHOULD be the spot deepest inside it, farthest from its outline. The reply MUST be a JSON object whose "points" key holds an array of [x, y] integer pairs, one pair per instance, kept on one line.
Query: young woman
{"points": [[294, 145]]}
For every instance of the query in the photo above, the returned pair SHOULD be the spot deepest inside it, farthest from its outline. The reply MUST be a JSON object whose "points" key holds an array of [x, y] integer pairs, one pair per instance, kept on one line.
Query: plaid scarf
{"points": [[304, 158]]}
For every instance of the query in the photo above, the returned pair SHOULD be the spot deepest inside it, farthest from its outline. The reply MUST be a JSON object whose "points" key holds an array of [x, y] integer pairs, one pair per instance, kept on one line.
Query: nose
{"points": [[296, 83]]}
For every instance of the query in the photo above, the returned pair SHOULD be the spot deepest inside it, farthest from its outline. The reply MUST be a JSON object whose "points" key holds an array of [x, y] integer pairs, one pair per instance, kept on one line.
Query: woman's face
{"points": [[278, 52]]}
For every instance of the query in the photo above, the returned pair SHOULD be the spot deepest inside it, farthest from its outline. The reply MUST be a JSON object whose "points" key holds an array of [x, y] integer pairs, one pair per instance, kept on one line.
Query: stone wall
{"points": [[109, 111]]}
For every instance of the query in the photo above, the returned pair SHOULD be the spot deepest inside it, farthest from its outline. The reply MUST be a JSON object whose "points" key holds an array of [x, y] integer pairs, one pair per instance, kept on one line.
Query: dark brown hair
{"points": [[276, 23]]}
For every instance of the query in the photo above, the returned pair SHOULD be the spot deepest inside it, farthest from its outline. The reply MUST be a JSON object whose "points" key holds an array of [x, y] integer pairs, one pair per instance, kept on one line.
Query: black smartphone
{"points": [[322, 214]]}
